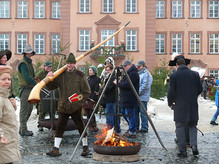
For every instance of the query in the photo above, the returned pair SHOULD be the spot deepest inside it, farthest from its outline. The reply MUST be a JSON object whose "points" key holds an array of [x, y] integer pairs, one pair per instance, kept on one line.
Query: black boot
{"points": [[54, 152], [85, 151], [195, 150], [182, 154], [213, 123]]}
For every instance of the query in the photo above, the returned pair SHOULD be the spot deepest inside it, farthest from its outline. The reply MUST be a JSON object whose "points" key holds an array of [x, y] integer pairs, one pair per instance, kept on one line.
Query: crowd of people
{"points": [[72, 80]]}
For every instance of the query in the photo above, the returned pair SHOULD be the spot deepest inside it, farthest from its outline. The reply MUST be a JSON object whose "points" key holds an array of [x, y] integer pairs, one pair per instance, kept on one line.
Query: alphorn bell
{"points": [[34, 96]]}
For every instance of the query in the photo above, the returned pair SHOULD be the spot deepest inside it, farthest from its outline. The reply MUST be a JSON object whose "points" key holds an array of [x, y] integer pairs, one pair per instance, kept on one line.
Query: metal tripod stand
{"points": [[117, 115]]}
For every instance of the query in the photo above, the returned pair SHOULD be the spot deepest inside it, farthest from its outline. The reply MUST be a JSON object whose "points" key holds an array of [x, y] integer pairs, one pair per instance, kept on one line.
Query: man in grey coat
{"points": [[185, 86]]}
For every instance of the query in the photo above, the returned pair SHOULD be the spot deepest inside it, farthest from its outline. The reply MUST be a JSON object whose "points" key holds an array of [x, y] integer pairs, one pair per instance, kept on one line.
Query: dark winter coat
{"points": [[70, 83], [127, 96], [110, 92], [185, 86], [94, 82]]}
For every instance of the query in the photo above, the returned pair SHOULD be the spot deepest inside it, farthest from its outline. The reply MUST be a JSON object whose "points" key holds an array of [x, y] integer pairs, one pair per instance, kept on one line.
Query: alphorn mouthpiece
{"points": [[127, 24]]}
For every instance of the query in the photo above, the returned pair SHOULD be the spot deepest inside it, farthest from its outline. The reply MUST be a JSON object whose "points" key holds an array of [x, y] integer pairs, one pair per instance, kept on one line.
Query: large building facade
{"points": [[157, 29]]}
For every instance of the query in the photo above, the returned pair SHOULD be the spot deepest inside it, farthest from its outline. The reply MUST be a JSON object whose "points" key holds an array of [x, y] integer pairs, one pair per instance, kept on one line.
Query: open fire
{"points": [[109, 138]]}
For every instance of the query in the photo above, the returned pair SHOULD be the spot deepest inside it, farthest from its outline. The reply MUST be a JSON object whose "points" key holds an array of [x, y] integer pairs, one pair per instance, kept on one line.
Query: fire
{"points": [[115, 140]]}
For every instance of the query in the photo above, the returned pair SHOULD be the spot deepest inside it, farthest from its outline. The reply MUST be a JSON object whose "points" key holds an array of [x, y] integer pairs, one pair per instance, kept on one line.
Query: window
{"points": [[195, 43], [131, 40], [56, 10], [195, 9], [160, 9], [131, 6], [39, 43], [214, 9], [22, 9], [176, 9], [105, 34], [55, 43], [84, 6], [213, 43], [214, 73], [84, 40], [107, 6], [160, 43], [177, 43], [4, 41], [21, 42], [39, 9], [4, 9]]}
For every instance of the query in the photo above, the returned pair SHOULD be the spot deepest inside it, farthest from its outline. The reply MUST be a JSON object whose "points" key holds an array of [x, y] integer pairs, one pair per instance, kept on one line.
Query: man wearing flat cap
{"points": [[71, 81], [128, 100], [184, 89], [44, 106], [144, 95], [26, 83]]}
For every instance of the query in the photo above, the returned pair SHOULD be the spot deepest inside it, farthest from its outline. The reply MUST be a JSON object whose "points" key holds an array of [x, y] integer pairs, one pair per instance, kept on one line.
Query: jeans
{"points": [[130, 119], [110, 120], [216, 114], [144, 119]]}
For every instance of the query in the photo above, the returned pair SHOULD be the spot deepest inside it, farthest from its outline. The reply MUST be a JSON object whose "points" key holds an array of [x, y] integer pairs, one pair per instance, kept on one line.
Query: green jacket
{"points": [[68, 84], [26, 73]]}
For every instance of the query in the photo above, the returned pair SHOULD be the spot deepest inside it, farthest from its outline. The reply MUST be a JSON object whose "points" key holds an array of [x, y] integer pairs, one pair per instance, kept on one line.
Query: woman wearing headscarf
{"points": [[93, 81], [9, 146]]}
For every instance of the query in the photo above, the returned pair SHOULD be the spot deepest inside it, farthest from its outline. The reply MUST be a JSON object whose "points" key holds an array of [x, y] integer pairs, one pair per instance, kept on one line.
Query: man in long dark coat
{"points": [[184, 88]]}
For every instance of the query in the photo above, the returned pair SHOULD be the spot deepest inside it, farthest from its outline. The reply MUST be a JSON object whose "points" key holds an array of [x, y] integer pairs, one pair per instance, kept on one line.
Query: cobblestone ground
{"points": [[33, 149]]}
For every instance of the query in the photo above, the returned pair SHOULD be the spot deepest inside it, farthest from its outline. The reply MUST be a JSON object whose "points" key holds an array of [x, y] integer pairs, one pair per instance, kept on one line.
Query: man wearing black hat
{"points": [[69, 82], [26, 83], [184, 89], [45, 105]]}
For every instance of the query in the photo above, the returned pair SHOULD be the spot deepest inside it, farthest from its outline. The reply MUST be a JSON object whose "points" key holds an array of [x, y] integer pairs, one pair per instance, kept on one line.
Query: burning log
{"points": [[114, 144], [112, 140]]}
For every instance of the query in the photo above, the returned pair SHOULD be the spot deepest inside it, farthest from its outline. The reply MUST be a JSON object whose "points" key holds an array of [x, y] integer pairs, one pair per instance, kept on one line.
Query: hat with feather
{"points": [[175, 56]]}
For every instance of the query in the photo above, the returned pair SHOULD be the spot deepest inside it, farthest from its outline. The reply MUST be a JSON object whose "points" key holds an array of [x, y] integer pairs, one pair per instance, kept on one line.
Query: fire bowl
{"points": [[117, 150]]}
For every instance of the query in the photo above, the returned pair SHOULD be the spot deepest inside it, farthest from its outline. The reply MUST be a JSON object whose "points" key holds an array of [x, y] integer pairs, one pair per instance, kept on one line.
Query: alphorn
{"points": [[34, 96]]}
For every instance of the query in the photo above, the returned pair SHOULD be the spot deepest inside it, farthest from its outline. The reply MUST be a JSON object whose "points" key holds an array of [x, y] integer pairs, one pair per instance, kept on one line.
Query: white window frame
{"points": [[84, 40], [21, 42], [160, 43], [131, 40], [39, 43], [4, 9], [177, 9], [108, 6], [214, 73], [56, 12], [55, 41], [214, 43], [195, 9], [22, 7], [160, 9], [105, 34], [177, 43], [84, 6], [4, 41], [39, 9], [214, 9], [131, 6], [195, 43]]}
